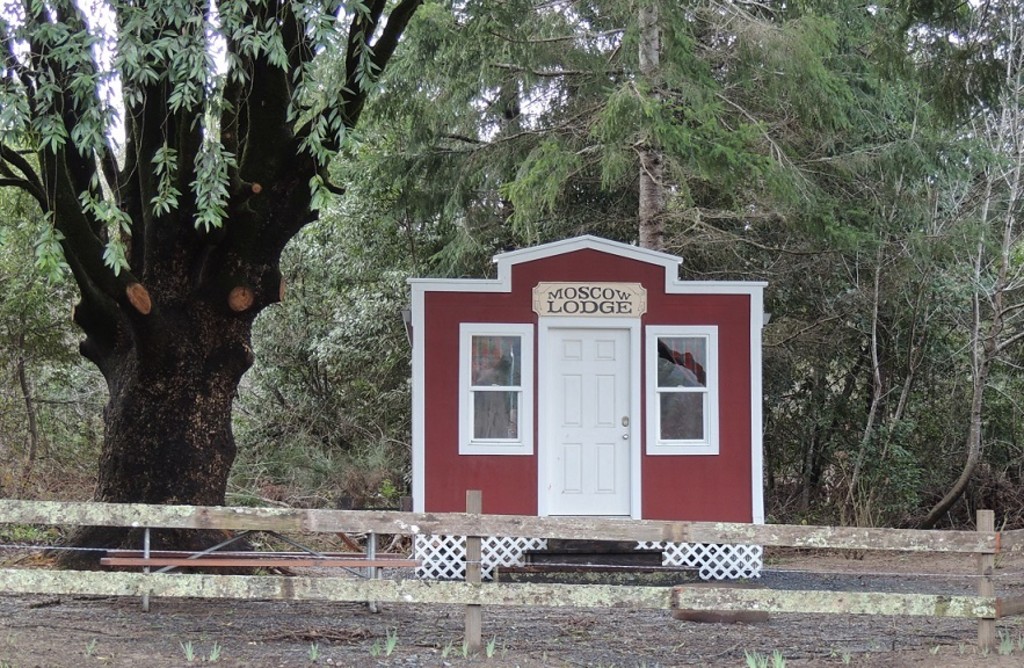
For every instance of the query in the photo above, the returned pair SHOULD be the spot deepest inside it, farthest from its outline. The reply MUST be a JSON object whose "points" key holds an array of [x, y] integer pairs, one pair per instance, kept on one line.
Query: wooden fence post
{"points": [[986, 520], [474, 613], [145, 554], [371, 571]]}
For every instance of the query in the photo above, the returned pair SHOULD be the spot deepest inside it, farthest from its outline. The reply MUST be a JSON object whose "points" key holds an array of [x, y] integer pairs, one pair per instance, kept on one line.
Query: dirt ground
{"points": [[77, 632]]}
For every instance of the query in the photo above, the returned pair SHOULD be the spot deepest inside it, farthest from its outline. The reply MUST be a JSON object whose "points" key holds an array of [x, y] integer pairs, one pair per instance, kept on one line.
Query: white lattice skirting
{"points": [[444, 557], [713, 562]]}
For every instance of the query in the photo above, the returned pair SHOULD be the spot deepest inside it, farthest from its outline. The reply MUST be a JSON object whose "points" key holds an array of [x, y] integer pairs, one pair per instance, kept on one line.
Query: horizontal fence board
{"points": [[256, 561], [1012, 540], [250, 554], [91, 583], [862, 538], [460, 524], [831, 602], [1011, 606]]}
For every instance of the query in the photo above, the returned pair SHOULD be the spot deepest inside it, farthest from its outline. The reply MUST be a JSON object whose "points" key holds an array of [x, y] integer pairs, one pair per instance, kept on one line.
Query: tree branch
{"points": [[555, 40], [23, 185], [398, 20], [262, 117], [550, 73], [800, 332], [82, 248], [464, 138], [29, 181], [376, 9], [361, 30], [329, 185], [81, 168], [1009, 341]]}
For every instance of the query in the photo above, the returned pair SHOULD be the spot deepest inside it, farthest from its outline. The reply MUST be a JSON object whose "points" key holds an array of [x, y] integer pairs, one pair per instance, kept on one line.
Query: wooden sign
{"points": [[609, 300]]}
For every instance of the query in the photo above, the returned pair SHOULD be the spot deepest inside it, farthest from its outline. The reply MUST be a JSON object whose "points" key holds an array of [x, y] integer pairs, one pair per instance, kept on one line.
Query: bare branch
{"points": [[698, 215], [561, 38], [800, 332], [1009, 341], [464, 138], [550, 73]]}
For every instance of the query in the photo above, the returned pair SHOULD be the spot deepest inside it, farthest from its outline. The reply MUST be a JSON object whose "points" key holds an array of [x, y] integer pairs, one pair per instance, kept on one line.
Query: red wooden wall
{"points": [[682, 487]]}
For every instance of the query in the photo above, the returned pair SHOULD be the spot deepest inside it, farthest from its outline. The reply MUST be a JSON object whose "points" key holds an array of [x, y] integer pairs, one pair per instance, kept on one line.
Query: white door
{"points": [[588, 414]]}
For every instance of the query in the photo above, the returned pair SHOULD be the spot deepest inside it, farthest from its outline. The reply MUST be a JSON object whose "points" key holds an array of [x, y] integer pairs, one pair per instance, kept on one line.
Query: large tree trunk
{"points": [[174, 344], [168, 436], [168, 432]]}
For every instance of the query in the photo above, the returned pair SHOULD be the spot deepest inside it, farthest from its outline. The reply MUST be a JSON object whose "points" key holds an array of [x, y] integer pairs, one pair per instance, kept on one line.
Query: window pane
{"points": [[495, 414], [682, 416], [497, 360], [682, 361]]}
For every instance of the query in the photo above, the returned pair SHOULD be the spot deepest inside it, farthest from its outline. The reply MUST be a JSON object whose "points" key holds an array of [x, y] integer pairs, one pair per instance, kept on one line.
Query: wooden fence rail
{"points": [[302, 588], [1011, 541], [985, 607], [461, 524]]}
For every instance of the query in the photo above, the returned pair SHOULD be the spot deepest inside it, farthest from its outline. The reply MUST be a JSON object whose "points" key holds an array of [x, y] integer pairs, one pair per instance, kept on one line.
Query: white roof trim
{"points": [[462, 284], [587, 241], [505, 262], [674, 286]]}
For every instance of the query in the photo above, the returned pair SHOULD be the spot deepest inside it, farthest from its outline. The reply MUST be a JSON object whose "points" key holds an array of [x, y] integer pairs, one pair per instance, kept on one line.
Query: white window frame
{"points": [[468, 445], [655, 444]]}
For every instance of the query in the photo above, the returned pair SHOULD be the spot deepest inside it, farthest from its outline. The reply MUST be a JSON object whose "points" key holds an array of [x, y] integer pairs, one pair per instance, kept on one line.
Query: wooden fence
{"points": [[985, 543]]}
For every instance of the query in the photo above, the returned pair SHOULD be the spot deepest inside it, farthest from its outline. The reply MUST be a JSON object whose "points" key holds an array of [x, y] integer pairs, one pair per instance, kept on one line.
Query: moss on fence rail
{"points": [[829, 602], [461, 524], [300, 588], [27, 581]]}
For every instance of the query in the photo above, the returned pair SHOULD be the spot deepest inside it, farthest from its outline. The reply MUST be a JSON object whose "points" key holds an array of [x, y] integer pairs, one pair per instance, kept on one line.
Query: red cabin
{"points": [[587, 379]]}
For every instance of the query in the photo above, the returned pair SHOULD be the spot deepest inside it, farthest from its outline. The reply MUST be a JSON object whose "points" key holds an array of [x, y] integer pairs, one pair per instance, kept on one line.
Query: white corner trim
{"points": [[418, 400], [635, 431], [756, 407]]}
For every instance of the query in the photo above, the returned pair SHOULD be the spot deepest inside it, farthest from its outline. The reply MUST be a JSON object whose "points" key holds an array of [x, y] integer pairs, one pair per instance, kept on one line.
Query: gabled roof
{"points": [[586, 242], [505, 261]]}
